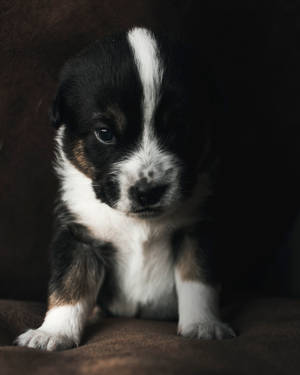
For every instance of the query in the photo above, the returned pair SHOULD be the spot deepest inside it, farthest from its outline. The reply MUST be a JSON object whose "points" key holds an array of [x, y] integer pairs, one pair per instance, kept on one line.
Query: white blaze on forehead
{"points": [[149, 155], [150, 68]]}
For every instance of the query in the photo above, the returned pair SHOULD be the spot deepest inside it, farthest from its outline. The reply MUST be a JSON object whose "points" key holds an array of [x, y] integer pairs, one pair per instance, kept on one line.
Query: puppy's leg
{"points": [[198, 304], [77, 273]]}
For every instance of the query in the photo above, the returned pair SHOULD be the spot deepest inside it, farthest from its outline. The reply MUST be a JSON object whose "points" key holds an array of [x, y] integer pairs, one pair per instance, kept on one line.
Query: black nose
{"points": [[147, 195]]}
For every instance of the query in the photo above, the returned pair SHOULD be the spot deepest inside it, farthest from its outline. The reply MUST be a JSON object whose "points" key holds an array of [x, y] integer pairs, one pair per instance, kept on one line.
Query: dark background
{"points": [[253, 47]]}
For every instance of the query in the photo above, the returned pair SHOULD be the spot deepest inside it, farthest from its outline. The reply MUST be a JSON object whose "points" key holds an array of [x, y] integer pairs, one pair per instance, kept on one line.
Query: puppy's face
{"points": [[134, 121]]}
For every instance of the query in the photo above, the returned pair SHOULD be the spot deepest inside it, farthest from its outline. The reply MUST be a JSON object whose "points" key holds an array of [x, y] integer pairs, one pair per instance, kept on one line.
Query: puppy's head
{"points": [[133, 117]]}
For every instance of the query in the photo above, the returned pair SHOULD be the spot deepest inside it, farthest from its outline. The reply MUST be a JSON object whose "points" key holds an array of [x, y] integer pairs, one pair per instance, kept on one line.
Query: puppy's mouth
{"points": [[147, 212]]}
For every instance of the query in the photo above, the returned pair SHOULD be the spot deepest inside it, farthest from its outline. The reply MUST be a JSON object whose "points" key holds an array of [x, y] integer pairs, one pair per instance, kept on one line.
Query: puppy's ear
{"points": [[56, 111]]}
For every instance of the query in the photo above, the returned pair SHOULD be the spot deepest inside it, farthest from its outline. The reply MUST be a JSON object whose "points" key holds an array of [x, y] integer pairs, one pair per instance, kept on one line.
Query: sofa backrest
{"points": [[253, 47]]}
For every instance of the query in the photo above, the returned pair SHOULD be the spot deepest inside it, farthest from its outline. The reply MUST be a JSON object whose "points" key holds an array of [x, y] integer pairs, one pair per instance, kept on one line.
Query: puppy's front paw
{"points": [[207, 330], [39, 339]]}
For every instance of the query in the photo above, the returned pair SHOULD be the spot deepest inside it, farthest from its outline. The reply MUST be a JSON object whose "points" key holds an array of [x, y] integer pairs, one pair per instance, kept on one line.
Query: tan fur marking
{"points": [[80, 159], [81, 281], [188, 261], [54, 300]]}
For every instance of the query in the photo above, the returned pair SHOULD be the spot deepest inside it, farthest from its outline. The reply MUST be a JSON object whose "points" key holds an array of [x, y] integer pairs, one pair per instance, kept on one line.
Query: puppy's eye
{"points": [[105, 135]]}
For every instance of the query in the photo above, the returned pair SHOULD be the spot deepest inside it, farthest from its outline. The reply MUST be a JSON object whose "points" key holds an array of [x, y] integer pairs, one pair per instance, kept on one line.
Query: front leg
{"points": [[77, 273], [198, 303]]}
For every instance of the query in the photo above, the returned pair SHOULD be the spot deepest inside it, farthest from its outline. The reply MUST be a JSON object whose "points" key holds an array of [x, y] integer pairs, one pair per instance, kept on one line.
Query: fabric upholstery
{"points": [[254, 50], [268, 343]]}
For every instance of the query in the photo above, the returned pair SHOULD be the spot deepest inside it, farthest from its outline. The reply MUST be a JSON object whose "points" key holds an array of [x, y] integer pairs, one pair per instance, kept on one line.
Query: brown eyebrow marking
{"points": [[114, 112]]}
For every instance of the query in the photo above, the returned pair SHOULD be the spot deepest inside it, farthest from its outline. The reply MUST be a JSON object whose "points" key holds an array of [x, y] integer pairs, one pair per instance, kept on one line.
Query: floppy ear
{"points": [[55, 111]]}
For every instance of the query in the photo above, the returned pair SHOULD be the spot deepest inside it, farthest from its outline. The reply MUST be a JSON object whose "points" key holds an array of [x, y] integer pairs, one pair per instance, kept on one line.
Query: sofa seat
{"points": [[268, 342]]}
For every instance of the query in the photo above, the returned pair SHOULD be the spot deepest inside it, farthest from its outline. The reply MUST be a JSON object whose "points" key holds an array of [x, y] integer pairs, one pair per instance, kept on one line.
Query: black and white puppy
{"points": [[134, 162]]}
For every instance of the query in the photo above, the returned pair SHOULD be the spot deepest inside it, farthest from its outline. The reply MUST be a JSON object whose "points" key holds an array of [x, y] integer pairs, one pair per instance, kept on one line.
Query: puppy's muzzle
{"points": [[144, 194]]}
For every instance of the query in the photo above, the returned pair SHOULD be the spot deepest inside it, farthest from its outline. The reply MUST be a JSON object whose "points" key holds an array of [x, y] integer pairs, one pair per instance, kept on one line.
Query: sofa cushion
{"points": [[268, 343]]}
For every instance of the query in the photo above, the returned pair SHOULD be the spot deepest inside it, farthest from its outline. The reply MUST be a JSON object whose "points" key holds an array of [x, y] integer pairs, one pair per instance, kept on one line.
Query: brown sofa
{"points": [[268, 343], [254, 49]]}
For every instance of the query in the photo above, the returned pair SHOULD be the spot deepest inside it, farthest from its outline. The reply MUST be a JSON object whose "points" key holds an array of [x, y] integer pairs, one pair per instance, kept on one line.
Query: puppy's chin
{"points": [[147, 213], [157, 212]]}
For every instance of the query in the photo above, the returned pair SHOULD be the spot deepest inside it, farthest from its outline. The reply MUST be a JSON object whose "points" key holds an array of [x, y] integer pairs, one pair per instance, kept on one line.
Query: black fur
{"points": [[104, 75]]}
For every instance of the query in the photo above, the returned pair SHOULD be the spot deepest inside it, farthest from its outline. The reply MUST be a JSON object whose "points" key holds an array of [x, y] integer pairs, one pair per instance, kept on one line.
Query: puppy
{"points": [[135, 164]]}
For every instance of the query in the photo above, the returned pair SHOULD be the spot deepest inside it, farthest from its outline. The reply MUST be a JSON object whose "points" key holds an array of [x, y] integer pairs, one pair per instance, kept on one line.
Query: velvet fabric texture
{"points": [[253, 47], [268, 343]]}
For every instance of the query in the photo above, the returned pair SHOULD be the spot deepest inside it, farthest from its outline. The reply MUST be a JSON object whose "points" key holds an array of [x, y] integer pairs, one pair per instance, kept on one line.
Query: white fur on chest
{"points": [[144, 269], [146, 275], [145, 272]]}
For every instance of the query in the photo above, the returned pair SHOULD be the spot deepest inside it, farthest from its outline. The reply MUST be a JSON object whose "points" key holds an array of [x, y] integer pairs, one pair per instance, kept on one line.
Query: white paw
{"points": [[39, 339], [207, 330]]}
